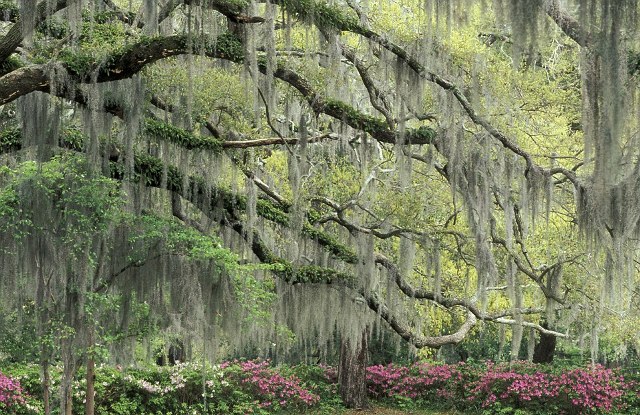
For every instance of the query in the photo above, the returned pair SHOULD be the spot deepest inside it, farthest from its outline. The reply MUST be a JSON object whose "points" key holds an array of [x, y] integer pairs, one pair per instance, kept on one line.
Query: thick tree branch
{"points": [[276, 141], [227, 46], [342, 21], [15, 36], [418, 340], [570, 26], [534, 326], [232, 10], [151, 171]]}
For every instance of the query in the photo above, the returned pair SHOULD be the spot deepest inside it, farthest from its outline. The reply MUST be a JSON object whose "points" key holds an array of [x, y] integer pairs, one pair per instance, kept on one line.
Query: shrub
{"points": [[255, 387], [10, 392], [270, 389], [13, 399], [491, 388]]}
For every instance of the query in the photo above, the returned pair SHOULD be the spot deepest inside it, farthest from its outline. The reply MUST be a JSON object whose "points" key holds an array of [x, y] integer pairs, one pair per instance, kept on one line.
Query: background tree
{"points": [[435, 166]]}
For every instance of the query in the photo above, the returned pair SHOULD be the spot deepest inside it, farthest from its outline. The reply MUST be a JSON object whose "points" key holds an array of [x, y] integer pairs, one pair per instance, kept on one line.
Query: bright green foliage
{"points": [[216, 93], [10, 139], [81, 205], [98, 43], [179, 239]]}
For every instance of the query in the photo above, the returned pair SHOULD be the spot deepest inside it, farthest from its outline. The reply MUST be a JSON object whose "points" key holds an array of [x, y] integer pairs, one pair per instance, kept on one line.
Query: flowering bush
{"points": [[419, 381], [271, 389], [255, 387], [230, 388], [491, 388], [13, 400], [10, 392], [574, 391]]}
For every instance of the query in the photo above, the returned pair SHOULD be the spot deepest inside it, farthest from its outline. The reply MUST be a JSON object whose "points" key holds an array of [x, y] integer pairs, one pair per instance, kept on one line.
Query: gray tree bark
{"points": [[352, 372]]}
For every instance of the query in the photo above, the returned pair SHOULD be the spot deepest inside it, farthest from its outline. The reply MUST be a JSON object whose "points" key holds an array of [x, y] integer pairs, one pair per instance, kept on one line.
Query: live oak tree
{"points": [[432, 166]]}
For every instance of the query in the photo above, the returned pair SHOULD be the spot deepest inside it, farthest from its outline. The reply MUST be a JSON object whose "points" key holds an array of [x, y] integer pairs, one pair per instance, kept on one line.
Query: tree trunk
{"points": [[46, 384], [69, 401], [91, 376], [90, 402], [545, 349], [352, 373], [43, 330], [67, 351], [66, 390]]}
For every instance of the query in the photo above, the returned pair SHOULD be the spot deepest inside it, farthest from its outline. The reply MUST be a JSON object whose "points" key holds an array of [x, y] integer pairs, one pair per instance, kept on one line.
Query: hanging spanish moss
{"points": [[178, 231], [606, 215], [514, 289], [403, 161], [478, 200], [251, 209], [269, 36], [366, 270], [150, 13], [436, 11], [525, 17], [27, 17], [40, 122], [531, 343], [251, 76], [406, 257]]}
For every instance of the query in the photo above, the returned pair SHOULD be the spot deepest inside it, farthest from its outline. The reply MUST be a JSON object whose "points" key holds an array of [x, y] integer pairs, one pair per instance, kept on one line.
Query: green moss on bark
{"points": [[372, 125], [322, 14], [331, 244], [183, 138]]}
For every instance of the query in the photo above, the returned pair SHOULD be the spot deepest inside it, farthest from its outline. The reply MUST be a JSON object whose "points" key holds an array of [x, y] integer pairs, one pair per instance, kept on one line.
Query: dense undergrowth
{"points": [[256, 387]]}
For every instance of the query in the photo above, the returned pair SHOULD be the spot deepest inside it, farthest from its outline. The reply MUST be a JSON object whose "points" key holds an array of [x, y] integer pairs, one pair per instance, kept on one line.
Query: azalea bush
{"points": [[237, 387], [257, 387], [10, 392], [270, 389], [520, 388], [13, 399]]}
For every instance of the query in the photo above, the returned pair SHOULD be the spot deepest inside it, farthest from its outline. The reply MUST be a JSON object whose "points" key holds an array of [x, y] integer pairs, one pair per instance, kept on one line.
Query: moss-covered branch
{"points": [[14, 37], [321, 13], [135, 57], [185, 139], [154, 173], [289, 272]]}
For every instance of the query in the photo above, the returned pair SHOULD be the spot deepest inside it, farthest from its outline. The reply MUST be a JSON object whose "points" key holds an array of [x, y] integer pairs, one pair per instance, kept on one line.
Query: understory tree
{"points": [[288, 174]]}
